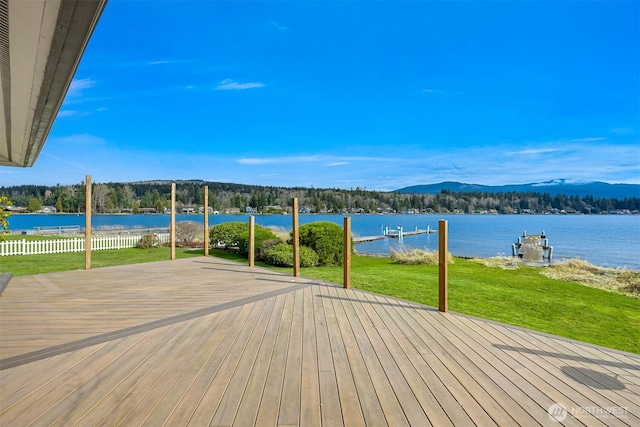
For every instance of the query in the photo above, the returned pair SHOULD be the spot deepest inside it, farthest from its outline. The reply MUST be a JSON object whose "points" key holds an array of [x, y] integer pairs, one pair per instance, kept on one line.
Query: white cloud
{"points": [[280, 160], [579, 140], [66, 113], [228, 84], [69, 162], [319, 158], [534, 151], [278, 26], [78, 85], [170, 61], [78, 139], [444, 92], [623, 131]]}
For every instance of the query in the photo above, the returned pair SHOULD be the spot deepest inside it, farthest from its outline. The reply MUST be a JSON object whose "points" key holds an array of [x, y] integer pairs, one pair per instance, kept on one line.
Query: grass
{"points": [[38, 264], [521, 297], [30, 237]]}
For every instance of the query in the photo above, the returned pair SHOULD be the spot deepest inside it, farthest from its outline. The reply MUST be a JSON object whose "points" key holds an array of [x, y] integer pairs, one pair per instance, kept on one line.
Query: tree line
{"points": [[131, 197]]}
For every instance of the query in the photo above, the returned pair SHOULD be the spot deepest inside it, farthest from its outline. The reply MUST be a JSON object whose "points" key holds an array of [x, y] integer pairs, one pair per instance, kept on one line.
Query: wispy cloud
{"points": [[66, 161], [327, 160], [444, 92], [78, 139], [78, 85], [623, 131], [66, 113], [595, 139], [278, 26], [534, 151], [279, 160], [228, 84], [497, 165], [170, 62]]}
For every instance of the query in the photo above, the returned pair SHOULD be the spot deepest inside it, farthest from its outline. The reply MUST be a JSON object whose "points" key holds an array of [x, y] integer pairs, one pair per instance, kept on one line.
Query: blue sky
{"points": [[378, 95]]}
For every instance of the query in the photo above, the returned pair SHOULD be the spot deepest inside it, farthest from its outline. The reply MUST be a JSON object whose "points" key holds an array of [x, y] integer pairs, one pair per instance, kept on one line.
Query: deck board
{"points": [[205, 341], [388, 400], [289, 412], [354, 392]]}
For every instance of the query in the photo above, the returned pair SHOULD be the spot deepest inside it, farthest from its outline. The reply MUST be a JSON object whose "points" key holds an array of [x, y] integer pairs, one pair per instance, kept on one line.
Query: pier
{"points": [[398, 233], [533, 247]]}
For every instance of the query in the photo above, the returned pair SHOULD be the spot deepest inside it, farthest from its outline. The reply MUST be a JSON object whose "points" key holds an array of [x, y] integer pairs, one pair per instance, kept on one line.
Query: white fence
{"points": [[54, 246]]}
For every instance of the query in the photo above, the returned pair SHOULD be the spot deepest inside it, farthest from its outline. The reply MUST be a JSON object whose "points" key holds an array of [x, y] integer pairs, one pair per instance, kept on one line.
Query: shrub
{"points": [[418, 256], [188, 231], [148, 240], [266, 247], [281, 255], [226, 235], [4, 215], [261, 234], [325, 238]]}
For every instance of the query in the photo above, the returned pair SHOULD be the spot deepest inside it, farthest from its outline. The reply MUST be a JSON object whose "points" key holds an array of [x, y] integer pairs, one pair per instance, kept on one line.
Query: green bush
{"points": [[325, 238], [261, 235], [227, 234], [281, 255], [266, 247]]}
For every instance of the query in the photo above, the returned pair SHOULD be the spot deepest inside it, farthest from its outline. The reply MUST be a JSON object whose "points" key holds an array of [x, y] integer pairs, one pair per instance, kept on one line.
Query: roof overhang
{"points": [[41, 43]]}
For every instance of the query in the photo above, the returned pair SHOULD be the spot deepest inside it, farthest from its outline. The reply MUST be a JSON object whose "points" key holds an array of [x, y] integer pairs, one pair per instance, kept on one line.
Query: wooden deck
{"points": [[204, 341]]}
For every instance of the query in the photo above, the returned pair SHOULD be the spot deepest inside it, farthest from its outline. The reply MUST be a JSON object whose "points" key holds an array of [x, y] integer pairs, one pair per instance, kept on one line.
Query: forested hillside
{"points": [[119, 197]]}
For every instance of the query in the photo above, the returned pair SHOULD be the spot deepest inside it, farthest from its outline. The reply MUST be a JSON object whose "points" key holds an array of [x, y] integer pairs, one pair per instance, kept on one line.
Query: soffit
{"points": [[41, 43]]}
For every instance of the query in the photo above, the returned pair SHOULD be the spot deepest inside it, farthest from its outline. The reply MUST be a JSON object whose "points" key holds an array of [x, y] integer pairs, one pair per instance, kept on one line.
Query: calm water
{"points": [[607, 240]]}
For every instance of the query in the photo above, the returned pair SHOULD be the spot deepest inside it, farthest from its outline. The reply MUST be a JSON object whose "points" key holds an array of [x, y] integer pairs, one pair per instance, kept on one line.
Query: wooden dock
{"points": [[393, 233], [204, 341], [533, 248], [364, 239], [396, 233]]}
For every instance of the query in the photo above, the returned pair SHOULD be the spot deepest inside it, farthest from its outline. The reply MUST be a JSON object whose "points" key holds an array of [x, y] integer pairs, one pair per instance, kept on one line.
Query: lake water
{"points": [[605, 240]]}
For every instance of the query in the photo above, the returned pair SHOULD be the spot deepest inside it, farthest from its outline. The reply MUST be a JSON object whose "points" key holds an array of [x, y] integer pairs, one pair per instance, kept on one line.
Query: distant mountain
{"points": [[599, 190]]}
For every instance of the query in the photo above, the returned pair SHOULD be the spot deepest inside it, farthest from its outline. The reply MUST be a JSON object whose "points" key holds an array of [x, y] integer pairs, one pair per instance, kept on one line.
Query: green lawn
{"points": [[520, 297], [21, 265], [32, 237]]}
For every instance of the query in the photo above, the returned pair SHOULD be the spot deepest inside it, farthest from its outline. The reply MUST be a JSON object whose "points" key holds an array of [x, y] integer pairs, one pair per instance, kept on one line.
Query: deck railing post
{"points": [[296, 238], [252, 240], [346, 261], [206, 221], [172, 227], [443, 272], [87, 223]]}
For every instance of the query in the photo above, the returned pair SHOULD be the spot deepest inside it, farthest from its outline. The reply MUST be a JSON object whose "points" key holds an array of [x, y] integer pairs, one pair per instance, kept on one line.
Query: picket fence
{"points": [[55, 246]]}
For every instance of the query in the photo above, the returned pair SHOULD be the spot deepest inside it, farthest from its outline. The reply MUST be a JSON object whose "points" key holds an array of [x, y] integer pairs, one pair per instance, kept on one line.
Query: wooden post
{"points": [[206, 220], [443, 272], [346, 256], [87, 224], [252, 240], [296, 239], [172, 228]]}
